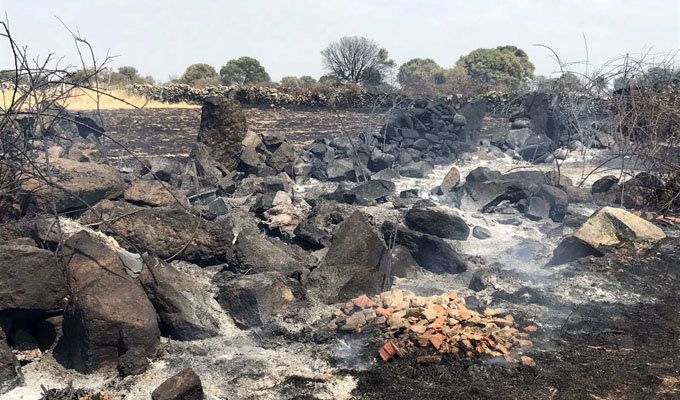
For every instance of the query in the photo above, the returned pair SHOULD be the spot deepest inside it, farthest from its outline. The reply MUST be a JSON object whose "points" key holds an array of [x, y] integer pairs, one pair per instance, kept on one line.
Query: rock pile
{"points": [[429, 132], [441, 324]]}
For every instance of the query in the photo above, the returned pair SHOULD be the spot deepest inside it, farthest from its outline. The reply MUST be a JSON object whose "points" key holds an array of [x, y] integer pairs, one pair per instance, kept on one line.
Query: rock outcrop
{"points": [[108, 313]]}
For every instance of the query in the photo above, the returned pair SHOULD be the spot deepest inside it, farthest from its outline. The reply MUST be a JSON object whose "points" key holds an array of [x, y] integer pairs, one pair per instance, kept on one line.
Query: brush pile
{"points": [[440, 323]]}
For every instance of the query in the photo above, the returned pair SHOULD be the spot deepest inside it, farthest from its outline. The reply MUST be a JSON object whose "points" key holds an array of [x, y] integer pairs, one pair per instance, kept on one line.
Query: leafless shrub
{"points": [[634, 101]]}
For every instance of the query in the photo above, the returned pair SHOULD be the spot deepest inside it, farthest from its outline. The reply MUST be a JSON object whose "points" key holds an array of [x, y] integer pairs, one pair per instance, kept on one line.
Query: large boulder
{"points": [[75, 186], [610, 226], [165, 232], [430, 252], [438, 222], [181, 303], [31, 280], [255, 300], [154, 193], [254, 252], [352, 265], [607, 227], [185, 385], [223, 128], [108, 314]]}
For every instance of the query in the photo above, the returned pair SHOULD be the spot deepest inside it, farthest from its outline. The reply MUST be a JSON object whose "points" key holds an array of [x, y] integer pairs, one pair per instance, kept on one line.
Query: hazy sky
{"points": [[161, 38]]}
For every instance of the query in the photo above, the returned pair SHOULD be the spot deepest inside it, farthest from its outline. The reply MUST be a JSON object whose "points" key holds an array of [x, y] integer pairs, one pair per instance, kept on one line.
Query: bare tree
{"points": [[357, 59]]}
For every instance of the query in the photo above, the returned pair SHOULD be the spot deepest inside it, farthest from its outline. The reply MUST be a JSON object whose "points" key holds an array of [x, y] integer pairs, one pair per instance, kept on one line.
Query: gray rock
{"points": [[218, 206], [108, 313], [451, 180], [421, 144], [437, 222], [179, 301], [82, 183], [373, 190], [155, 194], [166, 232], [605, 184], [283, 158], [255, 300], [10, 370], [535, 208], [340, 169], [459, 119], [310, 236], [223, 128], [418, 169], [352, 265], [31, 280], [249, 160], [481, 233], [185, 385], [429, 251]]}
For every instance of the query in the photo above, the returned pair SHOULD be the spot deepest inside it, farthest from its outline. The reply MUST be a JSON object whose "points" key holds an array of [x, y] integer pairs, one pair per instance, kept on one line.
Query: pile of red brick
{"points": [[441, 323]]}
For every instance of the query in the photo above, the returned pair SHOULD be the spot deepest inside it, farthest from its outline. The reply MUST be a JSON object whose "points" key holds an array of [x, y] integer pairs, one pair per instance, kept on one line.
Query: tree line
{"points": [[362, 61], [359, 60]]}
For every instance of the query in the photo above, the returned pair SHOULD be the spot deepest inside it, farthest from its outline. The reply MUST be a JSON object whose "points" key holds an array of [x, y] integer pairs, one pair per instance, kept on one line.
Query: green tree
{"points": [[199, 73], [243, 70], [290, 81], [420, 71], [129, 72], [503, 68], [357, 59], [306, 81]]}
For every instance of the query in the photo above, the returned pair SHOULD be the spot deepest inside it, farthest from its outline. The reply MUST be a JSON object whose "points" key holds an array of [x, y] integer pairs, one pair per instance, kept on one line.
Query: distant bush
{"points": [[420, 71], [243, 71], [504, 68], [125, 75], [200, 75]]}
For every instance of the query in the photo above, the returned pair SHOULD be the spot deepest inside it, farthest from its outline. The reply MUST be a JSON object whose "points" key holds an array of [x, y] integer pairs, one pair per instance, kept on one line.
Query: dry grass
{"points": [[84, 99]]}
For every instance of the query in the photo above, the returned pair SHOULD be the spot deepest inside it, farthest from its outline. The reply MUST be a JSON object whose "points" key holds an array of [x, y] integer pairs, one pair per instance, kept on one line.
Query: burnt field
{"points": [[171, 132]]}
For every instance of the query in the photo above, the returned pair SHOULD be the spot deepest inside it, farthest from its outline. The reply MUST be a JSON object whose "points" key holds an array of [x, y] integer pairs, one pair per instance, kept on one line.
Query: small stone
{"points": [[481, 233], [527, 361]]}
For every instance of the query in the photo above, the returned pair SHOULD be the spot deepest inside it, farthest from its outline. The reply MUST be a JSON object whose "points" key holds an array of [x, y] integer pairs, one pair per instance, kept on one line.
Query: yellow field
{"points": [[83, 99]]}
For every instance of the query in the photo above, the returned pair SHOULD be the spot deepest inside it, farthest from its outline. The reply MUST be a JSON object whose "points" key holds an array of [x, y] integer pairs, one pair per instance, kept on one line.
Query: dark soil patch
{"points": [[172, 131], [602, 350]]}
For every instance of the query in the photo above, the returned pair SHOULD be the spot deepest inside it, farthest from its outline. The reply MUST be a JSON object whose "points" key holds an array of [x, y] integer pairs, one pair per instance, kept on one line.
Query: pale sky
{"points": [[162, 38]]}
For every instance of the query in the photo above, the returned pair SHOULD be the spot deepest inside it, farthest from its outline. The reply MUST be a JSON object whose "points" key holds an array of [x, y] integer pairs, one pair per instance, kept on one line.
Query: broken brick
{"points": [[383, 311], [362, 302], [437, 339], [388, 350]]}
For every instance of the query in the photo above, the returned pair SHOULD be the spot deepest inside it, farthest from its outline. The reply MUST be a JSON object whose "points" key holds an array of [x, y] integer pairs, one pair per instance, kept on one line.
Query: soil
{"points": [[602, 350], [173, 131]]}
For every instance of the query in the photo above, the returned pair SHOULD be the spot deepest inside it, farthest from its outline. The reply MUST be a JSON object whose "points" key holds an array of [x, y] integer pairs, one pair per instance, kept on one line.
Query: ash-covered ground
{"points": [[604, 327]]}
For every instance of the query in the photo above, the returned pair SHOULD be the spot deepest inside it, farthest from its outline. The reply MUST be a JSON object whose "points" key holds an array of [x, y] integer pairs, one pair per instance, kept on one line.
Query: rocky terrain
{"points": [[436, 253]]}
